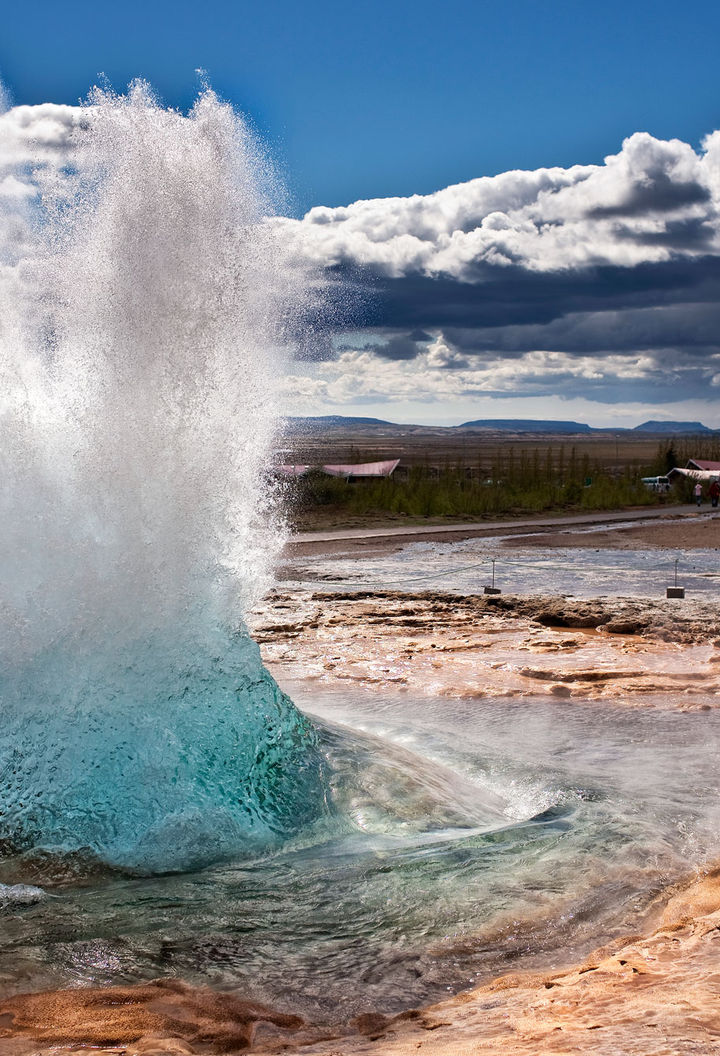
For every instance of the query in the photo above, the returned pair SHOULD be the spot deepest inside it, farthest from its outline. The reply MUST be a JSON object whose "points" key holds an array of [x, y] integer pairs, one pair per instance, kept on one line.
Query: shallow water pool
{"points": [[466, 836], [467, 566]]}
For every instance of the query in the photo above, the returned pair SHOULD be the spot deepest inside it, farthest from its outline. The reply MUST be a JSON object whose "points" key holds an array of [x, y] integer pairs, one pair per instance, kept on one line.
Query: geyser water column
{"points": [[142, 323]]}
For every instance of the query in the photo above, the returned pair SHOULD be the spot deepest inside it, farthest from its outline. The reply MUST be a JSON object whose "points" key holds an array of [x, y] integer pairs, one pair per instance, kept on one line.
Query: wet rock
{"points": [[699, 899], [567, 618], [561, 691], [624, 626], [15, 895], [645, 995], [154, 1046], [371, 1023]]}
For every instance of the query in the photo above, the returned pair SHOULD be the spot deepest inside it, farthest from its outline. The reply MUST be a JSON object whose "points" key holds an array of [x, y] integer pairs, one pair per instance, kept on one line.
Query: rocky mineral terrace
{"points": [[656, 994], [628, 652]]}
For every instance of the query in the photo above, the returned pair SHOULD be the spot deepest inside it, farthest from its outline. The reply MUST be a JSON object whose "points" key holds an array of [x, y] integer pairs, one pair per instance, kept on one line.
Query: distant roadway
{"points": [[506, 527]]}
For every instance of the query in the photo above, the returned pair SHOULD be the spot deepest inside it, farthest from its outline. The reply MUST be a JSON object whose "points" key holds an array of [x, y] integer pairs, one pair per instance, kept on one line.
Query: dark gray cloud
{"points": [[688, 330], [398, 348], [510, 297], [691, 233], [652, 331], [595, 264]]}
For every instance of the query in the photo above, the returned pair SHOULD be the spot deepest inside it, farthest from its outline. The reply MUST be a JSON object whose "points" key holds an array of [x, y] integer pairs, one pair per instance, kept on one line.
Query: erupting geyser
{"points": [[144, 303]]}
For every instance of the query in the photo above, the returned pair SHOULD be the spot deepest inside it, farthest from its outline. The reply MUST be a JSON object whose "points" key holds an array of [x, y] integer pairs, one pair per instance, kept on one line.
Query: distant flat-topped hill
{"points": [[329, 421], [672, 427], [526, 425]]}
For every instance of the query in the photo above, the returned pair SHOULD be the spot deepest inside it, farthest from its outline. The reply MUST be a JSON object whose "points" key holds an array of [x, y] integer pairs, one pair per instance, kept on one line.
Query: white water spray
{"points": [[142, 337]]}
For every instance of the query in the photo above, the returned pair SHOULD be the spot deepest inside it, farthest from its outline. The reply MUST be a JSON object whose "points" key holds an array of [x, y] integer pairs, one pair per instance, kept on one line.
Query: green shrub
{"points": [[512, 486]]}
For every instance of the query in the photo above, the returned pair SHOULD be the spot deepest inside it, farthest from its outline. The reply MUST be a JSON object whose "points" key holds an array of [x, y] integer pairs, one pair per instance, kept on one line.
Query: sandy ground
{"points": [[652, 994]]}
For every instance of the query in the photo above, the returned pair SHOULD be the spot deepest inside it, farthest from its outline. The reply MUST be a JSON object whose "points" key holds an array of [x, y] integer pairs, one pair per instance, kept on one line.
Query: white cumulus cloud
{"points": [[635, 207]]}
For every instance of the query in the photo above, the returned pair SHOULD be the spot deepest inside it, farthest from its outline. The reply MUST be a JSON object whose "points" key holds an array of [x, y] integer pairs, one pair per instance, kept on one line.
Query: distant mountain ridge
{"points": [[329, 421], [296, 424]]}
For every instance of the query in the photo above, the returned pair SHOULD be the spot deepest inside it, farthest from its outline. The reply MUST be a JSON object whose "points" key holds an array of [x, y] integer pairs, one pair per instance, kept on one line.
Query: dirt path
{"points": [[685, 526]]}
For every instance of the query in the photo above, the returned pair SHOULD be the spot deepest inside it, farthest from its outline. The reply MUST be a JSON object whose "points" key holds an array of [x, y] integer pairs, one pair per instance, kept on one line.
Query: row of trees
{"points": [[510, 482], [679, 451], [514, 482]]}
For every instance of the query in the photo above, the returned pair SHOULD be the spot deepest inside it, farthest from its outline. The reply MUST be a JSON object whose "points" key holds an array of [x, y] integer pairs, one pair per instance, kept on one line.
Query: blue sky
{"points": [[561, 256], [394, 98]]}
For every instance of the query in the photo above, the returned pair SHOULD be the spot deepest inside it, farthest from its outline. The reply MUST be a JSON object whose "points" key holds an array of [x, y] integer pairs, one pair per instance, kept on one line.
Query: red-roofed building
{"points": [[703, 464], [350, 471], [698, 469]]}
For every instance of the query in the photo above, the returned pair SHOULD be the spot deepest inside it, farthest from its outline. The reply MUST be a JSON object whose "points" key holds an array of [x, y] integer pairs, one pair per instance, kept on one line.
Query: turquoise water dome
{"points": [[145, 297], [158, 760]]}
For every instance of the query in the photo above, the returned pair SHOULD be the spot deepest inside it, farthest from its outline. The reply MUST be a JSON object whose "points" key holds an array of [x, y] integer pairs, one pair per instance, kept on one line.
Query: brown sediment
{"points": [[165, 1015], [656, 994], [701, 532]]}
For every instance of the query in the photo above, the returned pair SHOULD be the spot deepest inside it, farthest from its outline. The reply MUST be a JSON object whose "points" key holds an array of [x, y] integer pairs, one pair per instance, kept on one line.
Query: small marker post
{"points": [[676, 591], [493, 589]]}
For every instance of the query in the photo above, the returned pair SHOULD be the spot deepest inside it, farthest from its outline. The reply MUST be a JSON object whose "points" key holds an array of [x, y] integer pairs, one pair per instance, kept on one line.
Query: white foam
{"points": [[20, 895]]}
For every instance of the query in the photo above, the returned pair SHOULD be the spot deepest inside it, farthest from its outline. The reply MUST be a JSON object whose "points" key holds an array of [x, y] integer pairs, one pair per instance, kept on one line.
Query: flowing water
{"points": [[164, 807], [467, 837]]}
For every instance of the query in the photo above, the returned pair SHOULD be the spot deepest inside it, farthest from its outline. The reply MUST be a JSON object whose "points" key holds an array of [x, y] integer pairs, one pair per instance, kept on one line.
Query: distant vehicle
{"points": [[660, 484]]}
